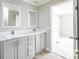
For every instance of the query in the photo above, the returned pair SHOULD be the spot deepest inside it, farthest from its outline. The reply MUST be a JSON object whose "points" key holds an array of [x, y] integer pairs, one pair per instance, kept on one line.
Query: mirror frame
{"points": [[13, 7], [29, 25]]}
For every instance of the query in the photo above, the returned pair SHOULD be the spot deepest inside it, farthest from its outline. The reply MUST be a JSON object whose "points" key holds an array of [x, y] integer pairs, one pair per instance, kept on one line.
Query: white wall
{"points": [[24, 18], [66, 25]]}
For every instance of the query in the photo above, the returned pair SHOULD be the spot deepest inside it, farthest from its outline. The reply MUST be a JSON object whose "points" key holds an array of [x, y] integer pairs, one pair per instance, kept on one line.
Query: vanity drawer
{"points": [[11, 43]]}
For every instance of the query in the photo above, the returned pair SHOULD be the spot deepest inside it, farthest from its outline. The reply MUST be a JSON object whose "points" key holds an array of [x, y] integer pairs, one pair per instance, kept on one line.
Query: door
{"points": [[76, 28], [10, 49], [76, 12]]}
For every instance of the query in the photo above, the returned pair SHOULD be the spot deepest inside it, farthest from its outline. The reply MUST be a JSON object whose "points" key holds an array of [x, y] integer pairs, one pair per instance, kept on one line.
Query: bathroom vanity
{"points": [[21, 45]]}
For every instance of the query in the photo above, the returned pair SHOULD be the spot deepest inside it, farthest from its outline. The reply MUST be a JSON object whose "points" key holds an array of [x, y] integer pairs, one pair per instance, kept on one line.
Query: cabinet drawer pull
{"points": [[28, 46]]}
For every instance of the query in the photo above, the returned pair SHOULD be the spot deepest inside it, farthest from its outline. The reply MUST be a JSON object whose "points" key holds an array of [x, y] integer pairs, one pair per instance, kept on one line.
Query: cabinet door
{"points": [[10, 49], [31, 46], [40, 42], [22, 50]]}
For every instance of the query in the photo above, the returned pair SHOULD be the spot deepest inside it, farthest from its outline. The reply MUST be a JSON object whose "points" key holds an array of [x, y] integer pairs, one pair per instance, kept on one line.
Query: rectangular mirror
{"points": [[11, 15], [32, 18]]}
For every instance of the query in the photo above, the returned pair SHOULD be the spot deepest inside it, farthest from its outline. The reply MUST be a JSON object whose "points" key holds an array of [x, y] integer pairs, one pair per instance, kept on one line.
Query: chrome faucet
{"points": [[12, 32], [34, 29]]}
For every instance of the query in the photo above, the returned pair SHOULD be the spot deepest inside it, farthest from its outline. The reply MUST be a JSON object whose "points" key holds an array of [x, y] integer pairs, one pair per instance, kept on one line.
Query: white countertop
{"points": [[8, 36]]}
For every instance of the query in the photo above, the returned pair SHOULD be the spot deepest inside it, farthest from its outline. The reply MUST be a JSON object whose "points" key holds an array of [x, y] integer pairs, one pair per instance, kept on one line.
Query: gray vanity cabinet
{"points": [[26, 47], [31, 46], [22, 48], [42, 39], [40, 42], [9, 50]]}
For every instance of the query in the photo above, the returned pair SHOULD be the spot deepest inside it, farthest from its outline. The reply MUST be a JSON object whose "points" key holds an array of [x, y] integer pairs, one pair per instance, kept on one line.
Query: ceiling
{"points": [[66, 8], [36, 2]]}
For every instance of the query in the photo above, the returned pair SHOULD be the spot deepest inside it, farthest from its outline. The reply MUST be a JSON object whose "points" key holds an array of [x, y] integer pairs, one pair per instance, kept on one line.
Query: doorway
{"points": [[62, 29]]}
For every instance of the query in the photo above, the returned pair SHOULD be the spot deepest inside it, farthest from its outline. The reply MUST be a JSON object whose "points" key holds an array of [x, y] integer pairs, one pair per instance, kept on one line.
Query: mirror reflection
{"points": [[11, 16], [33, 18]]}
